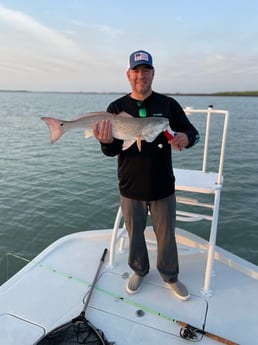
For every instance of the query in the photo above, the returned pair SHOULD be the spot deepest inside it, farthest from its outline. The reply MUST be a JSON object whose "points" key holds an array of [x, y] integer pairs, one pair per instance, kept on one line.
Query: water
{"points": [[50, 190]]}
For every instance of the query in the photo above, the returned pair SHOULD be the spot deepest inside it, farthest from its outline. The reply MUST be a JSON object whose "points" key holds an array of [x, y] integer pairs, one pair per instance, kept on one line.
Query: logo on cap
{"points": [[141, 56]]}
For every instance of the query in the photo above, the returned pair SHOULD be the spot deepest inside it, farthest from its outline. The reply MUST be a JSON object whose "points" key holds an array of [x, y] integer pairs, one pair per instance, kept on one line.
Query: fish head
{"points": [[154, 126]]}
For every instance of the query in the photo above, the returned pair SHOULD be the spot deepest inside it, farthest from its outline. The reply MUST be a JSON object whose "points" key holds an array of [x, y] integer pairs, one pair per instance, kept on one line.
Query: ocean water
{"points": [[51, 190]]}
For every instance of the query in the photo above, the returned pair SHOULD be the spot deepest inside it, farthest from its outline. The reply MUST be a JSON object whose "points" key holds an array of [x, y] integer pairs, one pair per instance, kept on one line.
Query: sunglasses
{"points": [[142, 110]]}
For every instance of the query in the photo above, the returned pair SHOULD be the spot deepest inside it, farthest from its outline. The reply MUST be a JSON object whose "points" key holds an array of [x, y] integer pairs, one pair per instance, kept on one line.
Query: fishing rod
{"points": [[187, 331], [190, 332]]}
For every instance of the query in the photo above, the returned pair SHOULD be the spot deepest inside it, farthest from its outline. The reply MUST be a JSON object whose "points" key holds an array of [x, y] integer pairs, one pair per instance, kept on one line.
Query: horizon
{"points": [[217, 93]]}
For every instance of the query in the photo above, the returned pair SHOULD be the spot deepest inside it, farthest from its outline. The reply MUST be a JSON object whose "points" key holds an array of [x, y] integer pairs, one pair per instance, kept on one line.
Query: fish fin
{"points": [[55, 127], [127, 144], [88, 133], [139, 143]]}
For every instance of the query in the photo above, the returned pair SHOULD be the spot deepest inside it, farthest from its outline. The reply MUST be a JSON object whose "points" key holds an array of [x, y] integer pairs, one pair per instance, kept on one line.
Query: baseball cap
{"points": [[140, 57]]}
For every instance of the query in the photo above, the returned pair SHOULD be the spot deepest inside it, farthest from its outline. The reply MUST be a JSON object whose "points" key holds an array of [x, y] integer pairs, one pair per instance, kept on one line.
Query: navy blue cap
{"points": [[140, 57]]}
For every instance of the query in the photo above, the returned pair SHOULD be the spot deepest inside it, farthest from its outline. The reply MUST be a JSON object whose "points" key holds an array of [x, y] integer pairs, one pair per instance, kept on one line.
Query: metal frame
{"points": [[196, 181]]}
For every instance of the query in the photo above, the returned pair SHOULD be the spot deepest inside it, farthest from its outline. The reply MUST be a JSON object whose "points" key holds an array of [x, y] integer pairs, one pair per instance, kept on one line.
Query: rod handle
{"points": [[103, 255], [208, 334]]}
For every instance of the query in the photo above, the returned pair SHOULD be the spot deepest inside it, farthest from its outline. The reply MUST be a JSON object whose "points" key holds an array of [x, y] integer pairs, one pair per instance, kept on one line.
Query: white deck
{"points": [[50, 290]]}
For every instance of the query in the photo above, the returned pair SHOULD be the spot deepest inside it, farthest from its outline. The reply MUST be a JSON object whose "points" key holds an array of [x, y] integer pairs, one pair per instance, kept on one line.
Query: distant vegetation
{"points": [[223, 93], [237, 93]]}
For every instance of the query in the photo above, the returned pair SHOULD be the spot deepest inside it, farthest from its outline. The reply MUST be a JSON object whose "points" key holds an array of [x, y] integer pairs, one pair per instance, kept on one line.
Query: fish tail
{"points": [[55, 128]]}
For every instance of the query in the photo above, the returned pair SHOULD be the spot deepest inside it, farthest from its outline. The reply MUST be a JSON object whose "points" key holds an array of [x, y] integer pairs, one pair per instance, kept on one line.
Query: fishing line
{"points": [[105, 291], [187, 332]]}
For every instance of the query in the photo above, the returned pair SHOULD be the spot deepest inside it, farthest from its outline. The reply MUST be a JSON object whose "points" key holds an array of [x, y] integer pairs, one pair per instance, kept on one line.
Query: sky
{"points": [[83, 45]]}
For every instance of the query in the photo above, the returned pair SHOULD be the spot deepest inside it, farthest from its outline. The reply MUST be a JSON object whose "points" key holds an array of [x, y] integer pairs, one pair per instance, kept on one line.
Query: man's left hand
{"points": [[179, 141]]}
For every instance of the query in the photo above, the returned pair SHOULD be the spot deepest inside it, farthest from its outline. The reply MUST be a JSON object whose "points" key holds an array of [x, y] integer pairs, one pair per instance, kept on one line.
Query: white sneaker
{"points": [[134, 284], [179, 290]]}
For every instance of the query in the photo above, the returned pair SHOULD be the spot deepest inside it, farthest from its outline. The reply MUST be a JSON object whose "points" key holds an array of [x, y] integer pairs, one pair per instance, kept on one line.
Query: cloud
{"points": [[106, 32], [28, 28], [87, 55], [31, 51]]}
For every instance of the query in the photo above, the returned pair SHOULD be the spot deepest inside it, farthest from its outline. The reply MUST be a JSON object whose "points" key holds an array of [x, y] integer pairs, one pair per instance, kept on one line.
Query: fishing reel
{"points": [[191, 333]]}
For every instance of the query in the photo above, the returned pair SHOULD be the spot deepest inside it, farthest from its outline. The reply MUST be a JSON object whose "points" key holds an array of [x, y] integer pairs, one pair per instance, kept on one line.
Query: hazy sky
{"points": [[83, 45]]}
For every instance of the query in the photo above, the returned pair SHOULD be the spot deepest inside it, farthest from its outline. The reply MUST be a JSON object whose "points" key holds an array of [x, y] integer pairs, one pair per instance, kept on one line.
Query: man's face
{"points": [[140, 79]]}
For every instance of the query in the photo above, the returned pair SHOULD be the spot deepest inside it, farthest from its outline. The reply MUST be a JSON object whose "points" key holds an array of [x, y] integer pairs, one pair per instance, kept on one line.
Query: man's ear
{"points": [[127, 74]]}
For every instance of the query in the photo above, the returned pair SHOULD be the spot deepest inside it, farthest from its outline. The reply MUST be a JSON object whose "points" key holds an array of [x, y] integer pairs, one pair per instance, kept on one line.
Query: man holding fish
{"points": [[146, 179]]}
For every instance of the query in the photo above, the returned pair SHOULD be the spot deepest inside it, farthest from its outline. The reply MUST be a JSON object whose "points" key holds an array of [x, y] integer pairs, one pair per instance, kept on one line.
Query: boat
{"points": [[52, 288]]}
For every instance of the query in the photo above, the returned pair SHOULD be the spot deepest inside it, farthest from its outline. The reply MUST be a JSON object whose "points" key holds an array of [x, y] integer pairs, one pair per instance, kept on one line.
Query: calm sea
{"points": [[50, 190]]}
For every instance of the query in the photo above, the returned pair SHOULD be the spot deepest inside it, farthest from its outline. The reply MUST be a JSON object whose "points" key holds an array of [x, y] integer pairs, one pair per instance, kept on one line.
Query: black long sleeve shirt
{"points": [[148, 175]]}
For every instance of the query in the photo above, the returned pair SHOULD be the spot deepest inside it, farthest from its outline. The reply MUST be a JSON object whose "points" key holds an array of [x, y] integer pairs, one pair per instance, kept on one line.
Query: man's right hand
{"points": [[103, 131]]}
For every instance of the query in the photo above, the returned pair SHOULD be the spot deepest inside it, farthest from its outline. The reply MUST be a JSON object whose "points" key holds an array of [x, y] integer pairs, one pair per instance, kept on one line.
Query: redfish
{"points": [[124, 127]]}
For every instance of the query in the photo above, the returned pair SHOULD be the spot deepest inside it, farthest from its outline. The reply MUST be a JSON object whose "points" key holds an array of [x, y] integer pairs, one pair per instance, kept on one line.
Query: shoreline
{"points": [[221, 94]]}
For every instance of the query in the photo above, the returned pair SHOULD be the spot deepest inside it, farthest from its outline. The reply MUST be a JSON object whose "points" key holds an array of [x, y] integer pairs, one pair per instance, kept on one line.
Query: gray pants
{"points": [[163, 216]]}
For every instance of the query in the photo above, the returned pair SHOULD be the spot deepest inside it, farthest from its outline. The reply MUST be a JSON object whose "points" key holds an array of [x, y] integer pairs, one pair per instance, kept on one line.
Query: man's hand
{"points": [[179, 141], [103, 131]]}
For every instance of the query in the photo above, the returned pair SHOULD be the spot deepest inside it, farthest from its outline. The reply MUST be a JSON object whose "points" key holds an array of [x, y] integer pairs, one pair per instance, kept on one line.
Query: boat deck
{"points": [[52, 288]]}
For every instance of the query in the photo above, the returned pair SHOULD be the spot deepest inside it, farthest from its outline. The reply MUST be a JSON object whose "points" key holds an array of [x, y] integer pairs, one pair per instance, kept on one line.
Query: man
{"points": [[146, 179]]}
